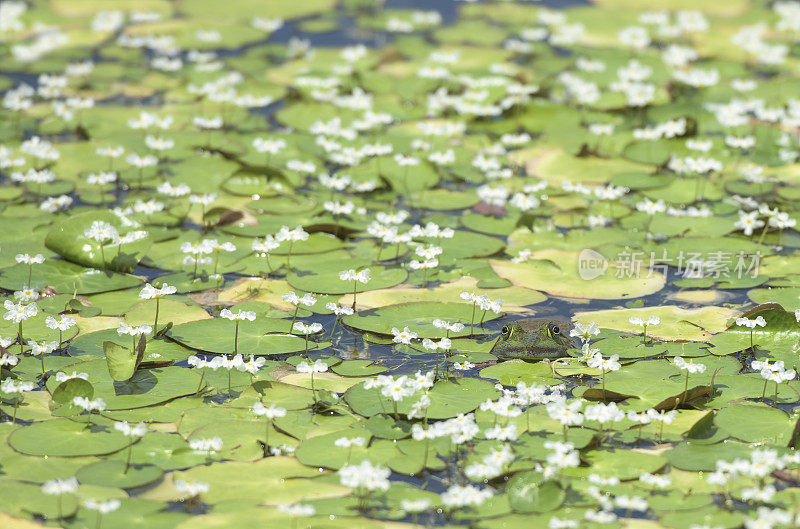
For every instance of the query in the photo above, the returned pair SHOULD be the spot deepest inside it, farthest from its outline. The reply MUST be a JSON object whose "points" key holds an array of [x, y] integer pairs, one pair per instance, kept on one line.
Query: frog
{"points": [[534, 339]]}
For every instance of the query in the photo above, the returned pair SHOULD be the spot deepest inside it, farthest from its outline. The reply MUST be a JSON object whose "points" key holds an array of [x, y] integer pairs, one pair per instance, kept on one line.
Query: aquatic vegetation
{"points": [[257, 259]]}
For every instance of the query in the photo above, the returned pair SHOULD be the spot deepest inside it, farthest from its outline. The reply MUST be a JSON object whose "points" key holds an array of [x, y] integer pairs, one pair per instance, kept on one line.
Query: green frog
{"points": [[534, 339]]}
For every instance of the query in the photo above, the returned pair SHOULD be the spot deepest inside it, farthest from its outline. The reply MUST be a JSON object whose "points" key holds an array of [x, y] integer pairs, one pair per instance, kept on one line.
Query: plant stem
{"points": [[472, 321], [763, 232], [236, 338], [335, 321], [604, 385], [686, 387], [128, 459], [202, 378], [155, 322]]}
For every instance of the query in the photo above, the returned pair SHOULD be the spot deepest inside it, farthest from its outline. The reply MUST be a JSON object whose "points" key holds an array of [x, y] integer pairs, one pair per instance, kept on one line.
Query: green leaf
{"points": [[63, 437], [529, 493], [121, 361], [69, 389]]}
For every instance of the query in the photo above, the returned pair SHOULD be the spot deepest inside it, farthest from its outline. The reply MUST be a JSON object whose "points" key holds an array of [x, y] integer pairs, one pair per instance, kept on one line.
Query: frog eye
{"points": [[505, 331], [553, 330]]}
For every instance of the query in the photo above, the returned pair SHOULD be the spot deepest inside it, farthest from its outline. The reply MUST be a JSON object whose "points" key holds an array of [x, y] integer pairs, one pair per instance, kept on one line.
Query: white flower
{"points": [[418, 408], [688, 365], [239, 316], [97, 404], [63, 377], [348, 442], [604, 413], [597, 361], [651, 208], [584, 333], [17, 312], [415, 506], [405, 336], [205, 199], [26, 295], [422, 381], [298, 510], [10, 386], [202, 122], [641, 322], [192, 489], [443, 344], [302, 328], [566, 414], [130, 330], [397, 389], [131, 431], [656, 480], [266, 246], [559, 523], [463, 366], [64, 323], [29, 259], [365, 475], [141, 162], [452, 327], [206, 446], [271, 146], [751, 324], [290, 297], [464, 496], [748, 222], [270, 412], [103, 507], [60, 486], [39, 348], [252, 366], [317, 367], [8, 359], [503, 433], [297, 234], [339, 310], [351, 275], [667, 417], [151, 292]]}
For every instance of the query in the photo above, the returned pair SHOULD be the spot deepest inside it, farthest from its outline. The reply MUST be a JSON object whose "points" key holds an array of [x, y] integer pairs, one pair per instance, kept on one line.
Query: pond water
{"points": [[627, 170]]}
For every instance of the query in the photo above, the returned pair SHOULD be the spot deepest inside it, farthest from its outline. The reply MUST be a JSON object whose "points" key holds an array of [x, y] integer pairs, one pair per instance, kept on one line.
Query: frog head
{"points": [[534, 339]]}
